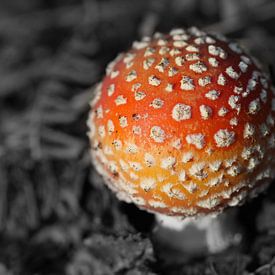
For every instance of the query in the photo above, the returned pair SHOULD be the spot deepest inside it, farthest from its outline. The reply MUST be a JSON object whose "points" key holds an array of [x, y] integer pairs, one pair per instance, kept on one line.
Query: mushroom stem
{"points": [[208, 234]]}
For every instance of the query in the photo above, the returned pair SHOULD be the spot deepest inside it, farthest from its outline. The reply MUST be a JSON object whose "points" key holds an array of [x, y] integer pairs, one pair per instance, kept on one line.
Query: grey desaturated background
{"points": [[56, 216]]}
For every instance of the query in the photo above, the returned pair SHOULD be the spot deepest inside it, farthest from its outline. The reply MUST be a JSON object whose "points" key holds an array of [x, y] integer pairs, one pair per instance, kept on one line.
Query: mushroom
{"points": [[182, 125]]}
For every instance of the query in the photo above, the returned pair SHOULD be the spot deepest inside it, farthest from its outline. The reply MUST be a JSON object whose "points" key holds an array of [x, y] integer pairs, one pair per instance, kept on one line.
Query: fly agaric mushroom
{"points": [[183, 125]]}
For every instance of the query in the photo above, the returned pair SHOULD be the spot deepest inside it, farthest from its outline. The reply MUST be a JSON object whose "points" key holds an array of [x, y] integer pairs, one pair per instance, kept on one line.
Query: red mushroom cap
{"points": [[183, 124]]}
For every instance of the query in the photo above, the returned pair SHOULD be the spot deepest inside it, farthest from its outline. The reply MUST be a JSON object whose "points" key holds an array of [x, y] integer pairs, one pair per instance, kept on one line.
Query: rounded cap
{"points": [[183, 124]]}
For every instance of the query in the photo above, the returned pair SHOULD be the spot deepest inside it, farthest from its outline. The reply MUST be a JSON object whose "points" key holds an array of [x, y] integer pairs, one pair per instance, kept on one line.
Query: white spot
{"points": [[192, 56], [252, 163], [135, 165], [205, 111], [196, 139], [157, 134], [149, 51], [174, 52], [198, 67], [191, 187], [191, 48], [179, 60], [247, 152], [169, 88], [224, 138], [153, 80], [234, 170], [128, 58], [138, 45], [120, 100], [182, 176], [136, 130], [190, 211], [270, 120], [203, 81], [162, 42], [139, 201], [209, 203], [264, 82], [111, 65], [212, 95], [123, 165], [176, 144], [263, 96], [118, 144], [199, 41], [173, 192], [176, 31], [238, 90], [148, 184], [215, 181], [264, 129], [131, 148], [250, 87], [99, 112], [111, 89], [232, 101], [235, 47], [135, 87], [157, 204], [221, 80], [172, 71], [114, 74], [161, 178], [181, 112], [197, 171], [254, 106], [210, 40], [215, 166], [131, 76], [229, 162], [209, 151], [139, 95], [187, 157], [168, 163], [179, 44], [246, 59], [217, 51], [147, 63], [149, 160], [101, 131], [110, 127], [157, 103], [123, 121], [231, 72], [249, 130], [213, 62], [91, 126], [113, 168], [222, 111], [133, 176], [187, 83], [163, 50], [180, 37], [243, 66], [233, 121]]}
